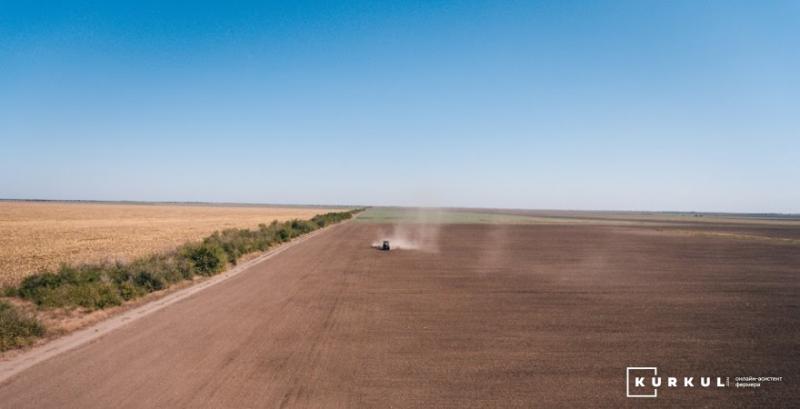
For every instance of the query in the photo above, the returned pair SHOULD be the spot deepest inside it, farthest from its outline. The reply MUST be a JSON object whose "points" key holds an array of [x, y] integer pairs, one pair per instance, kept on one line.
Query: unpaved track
{"points": [[501, 316]]}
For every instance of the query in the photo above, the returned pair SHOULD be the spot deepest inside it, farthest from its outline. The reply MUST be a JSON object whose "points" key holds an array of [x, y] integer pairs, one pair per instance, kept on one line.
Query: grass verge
{"points": [[17, 329]]}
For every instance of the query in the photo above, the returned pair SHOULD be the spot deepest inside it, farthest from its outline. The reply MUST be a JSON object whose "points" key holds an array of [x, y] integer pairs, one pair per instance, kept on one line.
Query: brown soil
{"points": [[499, 316]]}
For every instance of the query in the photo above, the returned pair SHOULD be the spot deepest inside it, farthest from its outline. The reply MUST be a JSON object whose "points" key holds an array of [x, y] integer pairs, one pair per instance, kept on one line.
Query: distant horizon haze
{"points": [[357, 205]]}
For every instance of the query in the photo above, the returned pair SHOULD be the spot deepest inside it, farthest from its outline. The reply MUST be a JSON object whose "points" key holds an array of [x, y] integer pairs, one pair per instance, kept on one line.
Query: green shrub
{"points": [[101, 295], [90, 295], [156, 272], [300, 227], [149, 281], [71, 286], [229, 241], [208, 258], [51, 297], [36, 283], [17, 329], [284, 233], [129, 291]]}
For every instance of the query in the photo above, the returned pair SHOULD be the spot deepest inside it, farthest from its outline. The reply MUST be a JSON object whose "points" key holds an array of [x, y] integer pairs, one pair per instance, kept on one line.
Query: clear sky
{"points": [[575, 105]]}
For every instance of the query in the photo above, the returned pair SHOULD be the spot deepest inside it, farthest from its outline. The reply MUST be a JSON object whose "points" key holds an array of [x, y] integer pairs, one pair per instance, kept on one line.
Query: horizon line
{"points": [[787, 215]]}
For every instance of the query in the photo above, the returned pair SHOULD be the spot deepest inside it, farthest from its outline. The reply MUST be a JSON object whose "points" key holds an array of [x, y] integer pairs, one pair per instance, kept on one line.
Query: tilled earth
{"points": [[495, 316]]}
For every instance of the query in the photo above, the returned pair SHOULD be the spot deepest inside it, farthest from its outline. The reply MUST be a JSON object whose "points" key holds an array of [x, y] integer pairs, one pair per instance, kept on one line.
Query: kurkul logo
{"points": [[644, 382]]}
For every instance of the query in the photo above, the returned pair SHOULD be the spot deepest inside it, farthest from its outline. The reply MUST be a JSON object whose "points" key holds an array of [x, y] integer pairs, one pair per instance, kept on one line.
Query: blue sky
{"points": [[572, 105]]}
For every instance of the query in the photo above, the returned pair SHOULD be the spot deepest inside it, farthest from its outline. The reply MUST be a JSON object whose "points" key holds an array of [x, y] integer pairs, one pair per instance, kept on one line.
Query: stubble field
{"points": [[41, 235]]}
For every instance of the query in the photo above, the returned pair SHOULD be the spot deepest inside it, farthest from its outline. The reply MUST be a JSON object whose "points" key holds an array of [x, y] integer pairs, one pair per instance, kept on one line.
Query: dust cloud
{"points": [[417, 230]]}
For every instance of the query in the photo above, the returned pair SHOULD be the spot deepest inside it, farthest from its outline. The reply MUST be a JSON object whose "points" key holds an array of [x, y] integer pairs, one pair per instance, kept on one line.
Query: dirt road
{"points": [[500, 316]]}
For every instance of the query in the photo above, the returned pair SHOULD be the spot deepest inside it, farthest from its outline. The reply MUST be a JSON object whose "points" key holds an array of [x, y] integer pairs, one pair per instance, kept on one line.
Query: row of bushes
{"points": [[97, 286], [17, 328]]}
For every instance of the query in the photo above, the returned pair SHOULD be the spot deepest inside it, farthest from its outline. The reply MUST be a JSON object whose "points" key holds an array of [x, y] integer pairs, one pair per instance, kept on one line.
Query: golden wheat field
{"points": [[41, 235]]}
